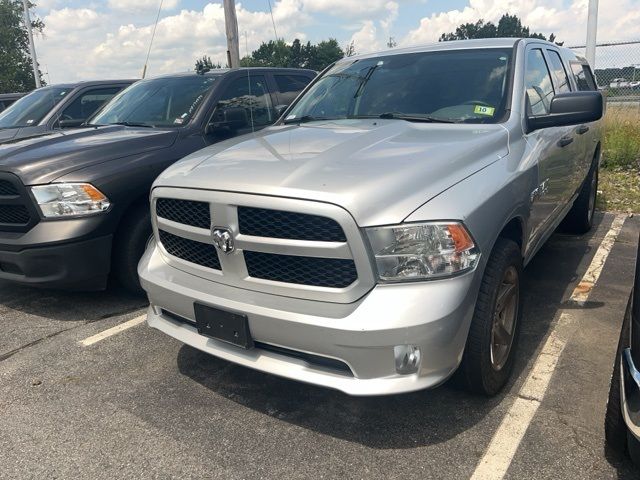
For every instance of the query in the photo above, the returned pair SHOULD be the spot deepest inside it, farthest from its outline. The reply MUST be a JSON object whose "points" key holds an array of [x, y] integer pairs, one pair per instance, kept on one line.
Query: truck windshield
{"points": [[159, 102], [32, 108], [451, 86]]}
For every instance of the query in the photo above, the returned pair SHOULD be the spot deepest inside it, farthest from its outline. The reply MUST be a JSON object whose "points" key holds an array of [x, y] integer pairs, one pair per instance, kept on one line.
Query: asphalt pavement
{"points": [[138, 404]]}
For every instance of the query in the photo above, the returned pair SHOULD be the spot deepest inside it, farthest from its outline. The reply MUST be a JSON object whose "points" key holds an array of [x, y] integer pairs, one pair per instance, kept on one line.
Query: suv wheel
{"points": [[488, 358], [580, 218], [130, 242]]}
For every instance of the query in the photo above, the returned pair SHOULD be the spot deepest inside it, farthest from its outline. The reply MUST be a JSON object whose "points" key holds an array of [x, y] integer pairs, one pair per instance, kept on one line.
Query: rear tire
{"points": [[129, 245], [579, 220], [615, 430], [493, 336]]}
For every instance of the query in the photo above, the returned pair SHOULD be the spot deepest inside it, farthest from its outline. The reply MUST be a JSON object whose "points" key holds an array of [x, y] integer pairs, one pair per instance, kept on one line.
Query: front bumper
{"points": [[630, 393], [434, 316]]}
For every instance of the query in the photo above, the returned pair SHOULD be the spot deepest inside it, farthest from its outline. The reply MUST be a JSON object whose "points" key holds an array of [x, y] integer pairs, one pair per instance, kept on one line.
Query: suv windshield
{"points": [[160, 102], [448, 86], [32, 108]]}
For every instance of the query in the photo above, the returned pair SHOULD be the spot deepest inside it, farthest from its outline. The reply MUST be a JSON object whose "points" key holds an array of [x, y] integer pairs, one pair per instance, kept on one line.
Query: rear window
{"points": [[584, 77]]}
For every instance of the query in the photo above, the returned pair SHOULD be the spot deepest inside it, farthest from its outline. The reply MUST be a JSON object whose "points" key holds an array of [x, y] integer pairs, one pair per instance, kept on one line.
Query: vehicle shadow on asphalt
{"points": [[69, 306], [414, 419]]}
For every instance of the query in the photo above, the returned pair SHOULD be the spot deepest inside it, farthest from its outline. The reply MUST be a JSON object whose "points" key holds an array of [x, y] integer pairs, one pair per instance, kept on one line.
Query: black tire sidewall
{"points": [[131, 241], [479, 374]]}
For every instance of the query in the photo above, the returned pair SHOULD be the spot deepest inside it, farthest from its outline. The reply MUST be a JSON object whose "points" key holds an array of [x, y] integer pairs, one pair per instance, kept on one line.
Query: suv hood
{"points": [[378, 170], [44, 158]]}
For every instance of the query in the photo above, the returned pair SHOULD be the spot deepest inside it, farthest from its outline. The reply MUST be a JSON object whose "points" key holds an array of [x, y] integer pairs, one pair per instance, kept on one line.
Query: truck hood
{"points": [[44, 158], [378, 170]]}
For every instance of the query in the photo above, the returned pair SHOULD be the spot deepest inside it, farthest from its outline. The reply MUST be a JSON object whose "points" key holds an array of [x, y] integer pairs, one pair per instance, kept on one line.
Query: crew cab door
{"points": [[553, 148]]}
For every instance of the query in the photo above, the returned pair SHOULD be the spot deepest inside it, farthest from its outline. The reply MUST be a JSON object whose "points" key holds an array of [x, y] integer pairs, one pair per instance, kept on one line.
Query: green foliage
{"points": [[16, 72], [508, 26], [205, 63], [279, 54], [621, 148]]}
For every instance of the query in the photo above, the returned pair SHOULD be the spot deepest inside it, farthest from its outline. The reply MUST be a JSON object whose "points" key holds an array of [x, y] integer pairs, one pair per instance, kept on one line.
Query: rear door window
{"points": [[250, 94], [538, 83], [584, 77], [290, 86], [559, 72]]}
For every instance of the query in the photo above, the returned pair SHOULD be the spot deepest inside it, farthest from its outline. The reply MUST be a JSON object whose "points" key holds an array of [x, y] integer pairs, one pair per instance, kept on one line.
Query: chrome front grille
{"points": [[283, 246]]}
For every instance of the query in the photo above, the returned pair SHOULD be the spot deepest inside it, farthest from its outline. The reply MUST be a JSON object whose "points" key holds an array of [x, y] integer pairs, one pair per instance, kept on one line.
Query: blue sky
{"points": [[109, 38]]}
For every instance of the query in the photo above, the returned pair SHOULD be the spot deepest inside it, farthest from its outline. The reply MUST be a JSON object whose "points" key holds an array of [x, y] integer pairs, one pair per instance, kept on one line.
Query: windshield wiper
{"points": [[303, 119], [415, 118], [133, 124]]}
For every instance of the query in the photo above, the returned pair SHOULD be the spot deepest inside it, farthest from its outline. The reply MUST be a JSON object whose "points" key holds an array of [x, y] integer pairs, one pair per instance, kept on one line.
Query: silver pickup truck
{"points": [[374, 239]]}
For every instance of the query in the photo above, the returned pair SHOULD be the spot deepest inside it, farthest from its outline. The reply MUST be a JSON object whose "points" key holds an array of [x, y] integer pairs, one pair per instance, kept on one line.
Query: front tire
{"points": [[490, 350], [131, 240]]}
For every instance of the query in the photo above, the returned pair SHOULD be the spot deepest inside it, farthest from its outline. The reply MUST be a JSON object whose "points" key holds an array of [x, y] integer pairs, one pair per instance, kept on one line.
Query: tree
{"points": [[350, 50], [279, 54], [16, 71], [508, 26], [205, 63]]}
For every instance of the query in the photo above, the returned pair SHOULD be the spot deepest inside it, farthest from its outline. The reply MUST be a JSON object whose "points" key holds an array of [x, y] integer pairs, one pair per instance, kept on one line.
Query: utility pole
{"points": [[231, 24], [32, 48], [592, 30]]}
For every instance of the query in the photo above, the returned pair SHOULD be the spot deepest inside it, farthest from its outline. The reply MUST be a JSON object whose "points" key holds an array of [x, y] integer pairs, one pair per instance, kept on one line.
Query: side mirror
{"points": [[570, 109], [76, 122], [280, 110], [232, 118]]}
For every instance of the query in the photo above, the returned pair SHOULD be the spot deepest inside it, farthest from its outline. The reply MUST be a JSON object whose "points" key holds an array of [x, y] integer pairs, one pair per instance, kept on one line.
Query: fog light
{"points": [[407, 359]]}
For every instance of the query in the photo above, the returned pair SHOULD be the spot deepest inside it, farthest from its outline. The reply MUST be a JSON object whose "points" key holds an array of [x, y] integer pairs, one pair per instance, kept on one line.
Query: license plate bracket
{"points": [[223, 325]]}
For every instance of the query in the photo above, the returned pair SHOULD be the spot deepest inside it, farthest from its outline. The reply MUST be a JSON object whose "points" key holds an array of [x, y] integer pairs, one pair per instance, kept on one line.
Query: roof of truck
{"points": [[452, 45]]}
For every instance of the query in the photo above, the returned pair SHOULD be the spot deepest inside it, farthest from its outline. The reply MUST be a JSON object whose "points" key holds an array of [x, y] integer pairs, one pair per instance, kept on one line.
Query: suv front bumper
{"points": [[433, 316]]}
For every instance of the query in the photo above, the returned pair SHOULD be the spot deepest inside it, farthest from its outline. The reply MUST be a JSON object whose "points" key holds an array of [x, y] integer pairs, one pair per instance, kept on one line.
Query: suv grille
{"points": [[7, 188], [14, 214], [17, 211], [319, 272], [261, 222], [187, 212], [189, 250]]}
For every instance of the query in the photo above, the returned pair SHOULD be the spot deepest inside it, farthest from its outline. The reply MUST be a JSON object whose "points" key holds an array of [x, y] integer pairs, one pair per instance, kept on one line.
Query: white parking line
{"points": [[506, 440], [113, 330]]}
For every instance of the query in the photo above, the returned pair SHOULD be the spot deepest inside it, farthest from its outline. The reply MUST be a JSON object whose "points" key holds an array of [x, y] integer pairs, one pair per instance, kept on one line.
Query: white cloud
{"points": [[618, 19], [141, 5], [366, 39], [348, 8]]}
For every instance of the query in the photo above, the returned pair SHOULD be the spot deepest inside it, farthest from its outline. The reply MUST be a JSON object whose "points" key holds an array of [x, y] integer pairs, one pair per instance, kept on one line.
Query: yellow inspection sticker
{"points": [[482, 110]]}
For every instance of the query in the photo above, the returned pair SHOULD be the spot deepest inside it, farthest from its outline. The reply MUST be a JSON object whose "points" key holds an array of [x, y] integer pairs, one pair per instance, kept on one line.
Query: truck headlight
{"points": [[69, 199], [422, 251]]}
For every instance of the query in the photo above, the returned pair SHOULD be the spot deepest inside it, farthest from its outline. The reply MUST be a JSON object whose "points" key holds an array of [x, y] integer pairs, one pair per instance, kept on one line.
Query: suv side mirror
{"points": [[569, 108], [71, 123], [232, 118]]}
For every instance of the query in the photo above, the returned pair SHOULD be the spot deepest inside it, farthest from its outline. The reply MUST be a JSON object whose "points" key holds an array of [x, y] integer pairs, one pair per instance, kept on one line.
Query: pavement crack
{"points": [[11, 353]]}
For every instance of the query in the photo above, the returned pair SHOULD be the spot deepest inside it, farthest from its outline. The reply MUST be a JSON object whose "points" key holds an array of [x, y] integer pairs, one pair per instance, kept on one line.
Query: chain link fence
{"points": [[617, 70]]}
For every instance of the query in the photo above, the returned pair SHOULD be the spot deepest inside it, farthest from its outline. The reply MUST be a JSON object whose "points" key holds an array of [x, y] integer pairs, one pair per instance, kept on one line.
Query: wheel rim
{"points": [[504, 318], [592, 194]]}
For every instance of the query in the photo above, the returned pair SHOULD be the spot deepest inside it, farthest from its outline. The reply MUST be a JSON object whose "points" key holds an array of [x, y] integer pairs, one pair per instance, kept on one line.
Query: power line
{"points": [[153, 35], [273, 21]]}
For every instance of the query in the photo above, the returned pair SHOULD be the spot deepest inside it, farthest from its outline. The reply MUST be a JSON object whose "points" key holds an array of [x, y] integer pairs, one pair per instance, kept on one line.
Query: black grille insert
{"points": [[8, 188], [318, 272], [189, 250], [187, 212], [262, 222], [14, 214]]}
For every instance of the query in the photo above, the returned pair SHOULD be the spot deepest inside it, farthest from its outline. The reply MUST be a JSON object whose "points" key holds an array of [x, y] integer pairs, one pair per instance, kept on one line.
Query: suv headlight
{"points": [[69, 199], [422, 251]]}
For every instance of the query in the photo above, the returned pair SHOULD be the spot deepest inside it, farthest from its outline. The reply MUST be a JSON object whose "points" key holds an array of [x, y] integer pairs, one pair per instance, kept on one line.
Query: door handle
{"points": [[564, 141], [582, 129]]}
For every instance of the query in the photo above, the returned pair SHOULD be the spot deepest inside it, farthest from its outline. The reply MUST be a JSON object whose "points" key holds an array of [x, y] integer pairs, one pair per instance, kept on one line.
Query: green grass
{"points": [[619, 191], [622, 138]]}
